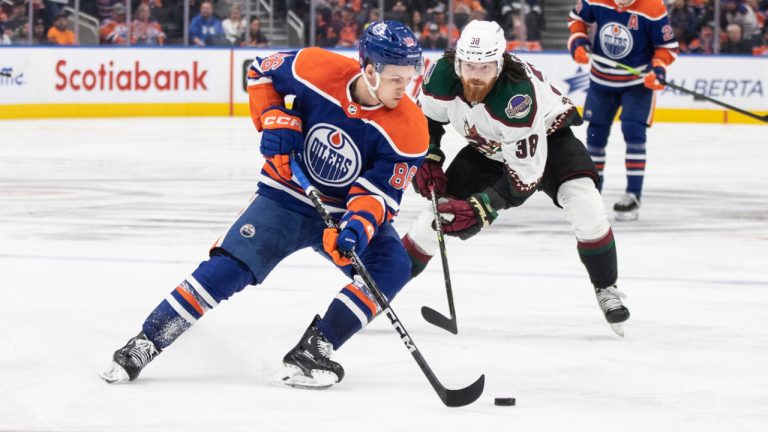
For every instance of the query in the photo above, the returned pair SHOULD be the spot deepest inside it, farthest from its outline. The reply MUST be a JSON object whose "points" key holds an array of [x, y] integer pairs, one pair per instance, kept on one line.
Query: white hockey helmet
{"points": [[481, 42]]}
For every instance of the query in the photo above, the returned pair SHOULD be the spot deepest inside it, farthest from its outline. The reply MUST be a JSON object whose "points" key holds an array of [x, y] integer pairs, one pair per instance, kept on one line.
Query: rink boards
{"points": [[101, 82]]}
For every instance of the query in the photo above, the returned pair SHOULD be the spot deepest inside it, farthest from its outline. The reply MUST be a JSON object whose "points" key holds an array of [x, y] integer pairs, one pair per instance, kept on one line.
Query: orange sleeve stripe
{"points": [[363, 298], [663, 55], [369, 204], [577, 26], [261, 96], [190, 299]]}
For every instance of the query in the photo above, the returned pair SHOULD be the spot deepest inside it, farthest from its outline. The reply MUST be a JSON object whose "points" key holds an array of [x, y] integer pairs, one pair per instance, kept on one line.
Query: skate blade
{"points": [[627, 216], [115, 375], [618, 328], [320, 380]]}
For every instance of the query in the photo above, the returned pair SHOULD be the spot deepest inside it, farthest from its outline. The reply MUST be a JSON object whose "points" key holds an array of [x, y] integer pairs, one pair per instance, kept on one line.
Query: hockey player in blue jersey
{"points": [[360, 140], [636, 33]]}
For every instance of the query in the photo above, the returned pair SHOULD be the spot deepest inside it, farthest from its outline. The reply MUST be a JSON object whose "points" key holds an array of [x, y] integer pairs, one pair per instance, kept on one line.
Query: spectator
{"points": [[743, 15], [114, 31], [234, 26], [205, 29], [462, 10], [104, 9], [762, 47], [398, 12], [434, 39], [21, 35], [326, 34], [146, 31], [373, 16], [349, 33], [17, 16], [438, 17], [705, 43], [257, 38], [735, 43], [682, 18], [5, 35], [417, 22], [59, 34], [224, 7]]}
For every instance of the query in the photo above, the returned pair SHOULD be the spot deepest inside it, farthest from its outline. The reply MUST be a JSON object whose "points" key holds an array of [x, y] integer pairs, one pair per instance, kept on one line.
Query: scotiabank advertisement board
{"points": [[56, 82], [94, 75]]}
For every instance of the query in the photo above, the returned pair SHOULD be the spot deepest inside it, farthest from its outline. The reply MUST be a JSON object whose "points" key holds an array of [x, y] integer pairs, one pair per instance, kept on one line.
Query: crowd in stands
{"points": [[152, 23], [742, 23], [339, 23]]}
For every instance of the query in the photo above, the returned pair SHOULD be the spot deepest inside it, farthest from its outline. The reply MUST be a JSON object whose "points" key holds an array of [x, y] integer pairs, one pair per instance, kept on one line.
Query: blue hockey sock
{"points": [[597, 140], [350, 311], [635, 165], [213, 281]]}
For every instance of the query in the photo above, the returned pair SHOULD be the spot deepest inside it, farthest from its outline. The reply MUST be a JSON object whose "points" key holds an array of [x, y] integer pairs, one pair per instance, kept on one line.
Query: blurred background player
{"points": [[519, 141], [636, 33], [365, 139]]}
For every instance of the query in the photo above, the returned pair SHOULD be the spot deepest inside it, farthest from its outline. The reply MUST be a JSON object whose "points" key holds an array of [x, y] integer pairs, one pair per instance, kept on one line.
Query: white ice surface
{"points": [[100, 219]]}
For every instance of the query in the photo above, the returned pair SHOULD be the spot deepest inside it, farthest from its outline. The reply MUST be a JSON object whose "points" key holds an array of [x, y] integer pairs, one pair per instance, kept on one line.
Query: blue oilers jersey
{"points": [[350, 151], [636, 35]]}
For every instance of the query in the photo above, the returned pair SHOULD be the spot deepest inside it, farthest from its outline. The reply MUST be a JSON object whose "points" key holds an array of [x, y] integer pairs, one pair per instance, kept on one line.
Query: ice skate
{"points": [[627, 208], [129, 360], [308, 364], [614, 310]]}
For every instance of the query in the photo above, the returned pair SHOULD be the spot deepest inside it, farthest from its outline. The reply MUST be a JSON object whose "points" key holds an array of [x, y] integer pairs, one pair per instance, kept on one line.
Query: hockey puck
{"points": [[504, 401]]}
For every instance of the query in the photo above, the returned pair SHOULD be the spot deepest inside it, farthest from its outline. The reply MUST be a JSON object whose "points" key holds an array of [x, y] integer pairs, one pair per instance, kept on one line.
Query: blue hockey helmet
{"points": [[390, 42]]}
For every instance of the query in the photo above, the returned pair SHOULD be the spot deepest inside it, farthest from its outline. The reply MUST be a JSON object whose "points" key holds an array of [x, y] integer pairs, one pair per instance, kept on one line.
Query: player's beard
{"points": [[476, 90]]}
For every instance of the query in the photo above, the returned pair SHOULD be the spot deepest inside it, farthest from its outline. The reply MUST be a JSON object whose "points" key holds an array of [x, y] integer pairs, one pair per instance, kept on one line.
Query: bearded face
{"points": [[477, 79], [475, 90]]}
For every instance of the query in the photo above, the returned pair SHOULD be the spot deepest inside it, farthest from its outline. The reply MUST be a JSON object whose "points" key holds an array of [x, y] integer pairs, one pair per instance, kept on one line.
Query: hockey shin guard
{"points": [[585, 210]]}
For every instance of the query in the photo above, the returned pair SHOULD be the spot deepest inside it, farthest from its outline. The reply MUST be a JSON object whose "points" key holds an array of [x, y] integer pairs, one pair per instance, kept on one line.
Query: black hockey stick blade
{"points": [[437, 319], [465, 396]]}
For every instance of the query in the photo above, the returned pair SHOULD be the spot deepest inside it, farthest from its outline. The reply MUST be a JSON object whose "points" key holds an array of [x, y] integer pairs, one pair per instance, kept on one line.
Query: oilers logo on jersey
{"points": [[615, 40], [331, 156]]}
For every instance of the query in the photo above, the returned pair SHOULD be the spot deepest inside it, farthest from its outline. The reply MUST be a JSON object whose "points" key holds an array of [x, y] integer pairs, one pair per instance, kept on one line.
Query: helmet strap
{"points": [[372, 88]]}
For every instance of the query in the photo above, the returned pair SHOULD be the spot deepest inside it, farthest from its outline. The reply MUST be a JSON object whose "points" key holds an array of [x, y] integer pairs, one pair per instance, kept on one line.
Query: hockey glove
{"points": [[580, 49], [463, 219], [431, 172], [656, 78], [281, 136], [357, 229]]}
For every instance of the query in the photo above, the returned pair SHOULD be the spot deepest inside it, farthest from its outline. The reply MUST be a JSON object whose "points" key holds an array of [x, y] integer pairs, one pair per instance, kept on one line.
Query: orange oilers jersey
{"points": [[359, 158], [638, 35]]}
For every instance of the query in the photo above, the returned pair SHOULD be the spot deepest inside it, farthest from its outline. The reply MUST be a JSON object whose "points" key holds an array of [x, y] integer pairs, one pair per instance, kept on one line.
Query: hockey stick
{"points": [[432, 316], [696, 96], [451, 398]]}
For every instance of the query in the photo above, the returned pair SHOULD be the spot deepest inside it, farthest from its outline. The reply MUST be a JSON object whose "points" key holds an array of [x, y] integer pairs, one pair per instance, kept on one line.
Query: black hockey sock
{"points": [[599, 257]]}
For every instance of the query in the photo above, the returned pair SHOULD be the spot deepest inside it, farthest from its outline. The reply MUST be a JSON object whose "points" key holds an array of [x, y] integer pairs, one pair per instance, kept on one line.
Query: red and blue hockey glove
{"points": [[656, 78], [463, 219], [580, 49], [357, 229], [431, 172], [281, 135]]}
